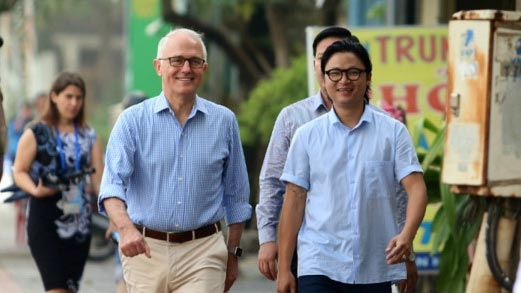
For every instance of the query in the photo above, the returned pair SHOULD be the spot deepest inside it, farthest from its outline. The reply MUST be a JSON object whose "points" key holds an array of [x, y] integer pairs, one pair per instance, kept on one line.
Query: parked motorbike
{"points": [[101, 247]]}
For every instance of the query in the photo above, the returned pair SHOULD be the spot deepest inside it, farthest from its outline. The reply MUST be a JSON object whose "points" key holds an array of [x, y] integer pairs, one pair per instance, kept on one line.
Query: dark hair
{"points": [[134, 97], [64, 79], [334, 31], [351, 45]]}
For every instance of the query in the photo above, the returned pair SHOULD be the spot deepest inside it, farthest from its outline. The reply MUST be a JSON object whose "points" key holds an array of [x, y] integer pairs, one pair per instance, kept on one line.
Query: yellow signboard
{"points": [[409, 67]]}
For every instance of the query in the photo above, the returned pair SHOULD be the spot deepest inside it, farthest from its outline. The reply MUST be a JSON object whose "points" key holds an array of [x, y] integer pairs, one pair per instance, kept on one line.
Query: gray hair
{"points": [[195, 35]]}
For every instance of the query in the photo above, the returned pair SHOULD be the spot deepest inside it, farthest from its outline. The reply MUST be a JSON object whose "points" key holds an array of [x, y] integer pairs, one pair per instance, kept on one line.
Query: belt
{"points": [[180, 237]]}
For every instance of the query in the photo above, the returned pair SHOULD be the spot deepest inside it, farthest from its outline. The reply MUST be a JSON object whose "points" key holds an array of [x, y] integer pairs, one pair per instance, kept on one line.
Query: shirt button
{"points": [[177, 225], [178, 202], [181, 156], [180, 179]]}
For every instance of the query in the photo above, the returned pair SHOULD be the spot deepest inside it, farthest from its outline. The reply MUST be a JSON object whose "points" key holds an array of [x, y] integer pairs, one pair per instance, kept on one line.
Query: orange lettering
{"points": [[383, 47], [410, 98], [404, 45], [436, 96]]}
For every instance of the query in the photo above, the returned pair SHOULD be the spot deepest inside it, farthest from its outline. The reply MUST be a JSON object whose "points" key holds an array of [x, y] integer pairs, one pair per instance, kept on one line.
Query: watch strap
{"points": [[235, 250]]}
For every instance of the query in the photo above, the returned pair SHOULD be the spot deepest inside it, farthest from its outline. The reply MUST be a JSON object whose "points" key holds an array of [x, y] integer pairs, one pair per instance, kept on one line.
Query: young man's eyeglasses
{"points": [[352, 74], [178, 61]]}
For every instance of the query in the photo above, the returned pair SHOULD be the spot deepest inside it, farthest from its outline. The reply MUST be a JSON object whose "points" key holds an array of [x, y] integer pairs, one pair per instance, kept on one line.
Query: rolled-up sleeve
{"points": [[236, 184], [119, 166]]}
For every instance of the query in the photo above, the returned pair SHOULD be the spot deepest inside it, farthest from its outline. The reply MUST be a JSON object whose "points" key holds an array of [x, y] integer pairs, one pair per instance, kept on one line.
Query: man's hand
{"points": [[133, 243], [232, 272], [398, 249], [267, 260], [409, 285], [286, 283]]}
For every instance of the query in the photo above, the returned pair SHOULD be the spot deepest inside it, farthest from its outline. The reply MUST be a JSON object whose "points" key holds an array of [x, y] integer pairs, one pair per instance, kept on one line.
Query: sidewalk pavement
{"points": [[18, 272]]}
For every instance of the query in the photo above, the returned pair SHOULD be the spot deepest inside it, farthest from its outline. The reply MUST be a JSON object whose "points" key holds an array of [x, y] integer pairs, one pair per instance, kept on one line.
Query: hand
{"points": [[409, 285], [267, 260], [133, 243], [286, 282], [398, 249], [232, 272], [43, 191]]}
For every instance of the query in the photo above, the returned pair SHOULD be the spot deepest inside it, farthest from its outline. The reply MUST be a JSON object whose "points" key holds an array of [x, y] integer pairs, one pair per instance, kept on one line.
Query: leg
{"points": [[316, 284], [200, 264], [144, 274]]}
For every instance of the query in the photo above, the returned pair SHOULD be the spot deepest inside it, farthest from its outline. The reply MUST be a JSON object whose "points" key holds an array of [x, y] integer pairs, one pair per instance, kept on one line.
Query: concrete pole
{"points": [[354, 12], [390, 13]]}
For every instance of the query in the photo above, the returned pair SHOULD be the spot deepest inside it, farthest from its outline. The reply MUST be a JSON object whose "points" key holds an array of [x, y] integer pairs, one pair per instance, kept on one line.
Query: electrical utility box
{"points": [[483, 119]]}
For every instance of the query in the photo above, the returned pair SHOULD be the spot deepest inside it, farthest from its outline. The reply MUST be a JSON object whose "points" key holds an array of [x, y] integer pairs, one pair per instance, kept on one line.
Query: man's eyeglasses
{"points": [[352, 74], [178, 61]]}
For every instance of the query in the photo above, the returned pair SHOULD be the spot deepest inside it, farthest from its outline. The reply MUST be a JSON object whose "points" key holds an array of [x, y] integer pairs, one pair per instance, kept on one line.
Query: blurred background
{"points": [[258, 53], [112, 42]]}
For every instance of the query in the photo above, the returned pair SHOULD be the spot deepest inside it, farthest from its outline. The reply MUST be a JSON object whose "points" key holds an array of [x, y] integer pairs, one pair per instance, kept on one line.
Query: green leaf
{"points": [[440, 229], [436, 150], [449, 203], [259, 112]]}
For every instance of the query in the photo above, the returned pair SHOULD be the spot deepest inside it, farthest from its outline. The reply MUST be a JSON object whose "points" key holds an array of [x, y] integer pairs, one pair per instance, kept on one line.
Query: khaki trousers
{"points": [[194, 266]]}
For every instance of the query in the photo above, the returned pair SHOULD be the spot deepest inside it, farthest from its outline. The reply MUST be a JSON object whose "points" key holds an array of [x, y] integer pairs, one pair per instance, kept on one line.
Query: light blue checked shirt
{"points": [[351, 209], [271, 188], [175, 178]]}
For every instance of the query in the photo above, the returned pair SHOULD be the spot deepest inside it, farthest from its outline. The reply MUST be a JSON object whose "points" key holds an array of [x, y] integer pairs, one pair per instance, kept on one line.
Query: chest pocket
{"points": [[379, 179]]}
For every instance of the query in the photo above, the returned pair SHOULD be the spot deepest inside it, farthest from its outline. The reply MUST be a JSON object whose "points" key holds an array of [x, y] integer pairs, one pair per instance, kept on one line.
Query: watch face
{"points": [[412, 256], [237, 251]]}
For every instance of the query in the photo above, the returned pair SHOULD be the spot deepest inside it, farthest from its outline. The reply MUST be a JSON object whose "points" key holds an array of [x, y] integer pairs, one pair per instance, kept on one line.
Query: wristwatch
{"points": [[235, 250]]}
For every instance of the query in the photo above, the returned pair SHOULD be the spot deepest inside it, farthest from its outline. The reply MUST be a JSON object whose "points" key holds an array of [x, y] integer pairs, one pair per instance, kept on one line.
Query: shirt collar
{"points": [[366, 117], [161, 104], [318, 103]]}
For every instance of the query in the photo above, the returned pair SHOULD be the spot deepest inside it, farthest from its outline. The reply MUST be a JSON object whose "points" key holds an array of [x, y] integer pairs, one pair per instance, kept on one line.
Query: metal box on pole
{"points": [[483, 140]]}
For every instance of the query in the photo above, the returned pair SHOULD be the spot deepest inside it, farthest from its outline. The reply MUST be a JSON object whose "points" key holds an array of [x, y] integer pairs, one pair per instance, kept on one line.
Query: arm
{"points": [[232, 267], [290, 221], [412, 271], [112, 198], [25, 155], [131, 242], [96, 155], [271, 191], [417, 203], [236, 199]]}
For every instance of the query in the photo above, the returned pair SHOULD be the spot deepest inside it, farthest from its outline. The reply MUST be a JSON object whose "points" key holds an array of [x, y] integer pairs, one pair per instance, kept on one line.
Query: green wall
{"points": [[145, 29]]}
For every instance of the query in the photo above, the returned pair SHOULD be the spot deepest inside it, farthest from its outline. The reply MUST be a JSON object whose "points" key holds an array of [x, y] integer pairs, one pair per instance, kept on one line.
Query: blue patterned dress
{"points": [[58, 238]]}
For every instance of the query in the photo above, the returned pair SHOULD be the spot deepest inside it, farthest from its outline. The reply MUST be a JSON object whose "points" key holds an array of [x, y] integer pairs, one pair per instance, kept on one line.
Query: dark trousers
{"points": [[323, 284]]}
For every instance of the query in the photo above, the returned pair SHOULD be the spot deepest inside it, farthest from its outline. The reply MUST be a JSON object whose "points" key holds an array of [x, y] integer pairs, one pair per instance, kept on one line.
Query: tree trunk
{"points": [[278, 35]]}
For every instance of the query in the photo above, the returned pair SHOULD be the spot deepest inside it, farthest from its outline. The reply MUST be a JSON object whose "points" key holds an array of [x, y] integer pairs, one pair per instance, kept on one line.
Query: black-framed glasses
{"points": [[178, 61], [352, 74]]}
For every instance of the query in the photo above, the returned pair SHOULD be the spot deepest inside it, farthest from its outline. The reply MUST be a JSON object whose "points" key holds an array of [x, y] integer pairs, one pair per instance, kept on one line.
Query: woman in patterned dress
{"points": [[55, 159]]}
